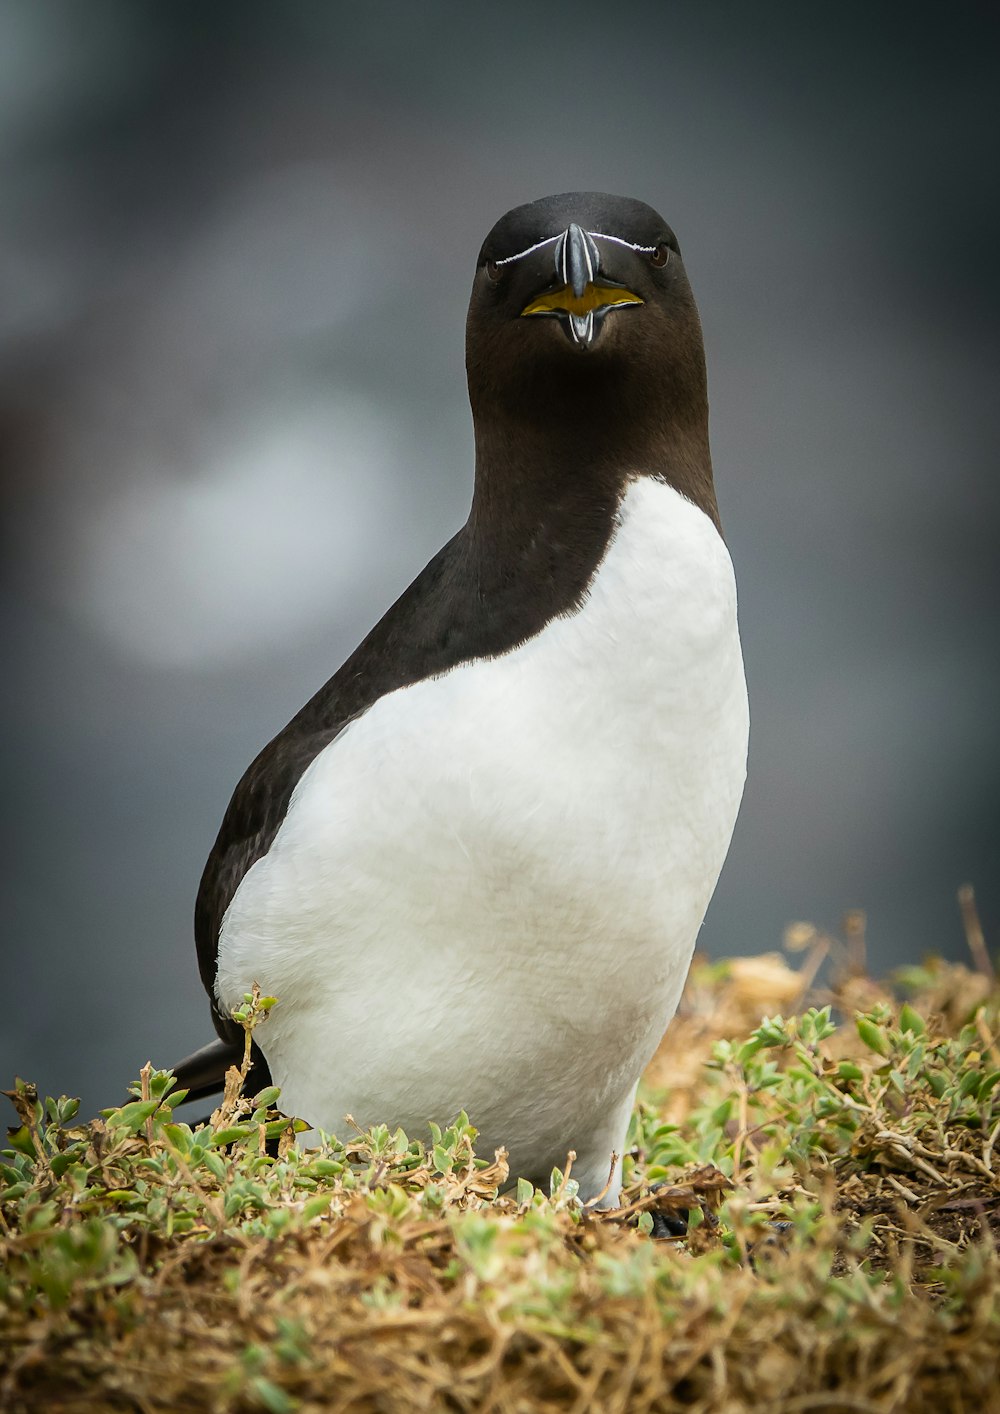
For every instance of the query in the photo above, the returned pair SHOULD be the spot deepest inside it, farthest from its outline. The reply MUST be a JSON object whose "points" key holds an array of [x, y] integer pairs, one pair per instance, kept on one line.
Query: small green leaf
{"points": [[216, 1165], [22, 1141], [873, 1036], [969, 1083], [272, 1396], [988, 1083], [912, 1021], [326, 1168], [134, 1115], [749, 1049], [230, 1134]]}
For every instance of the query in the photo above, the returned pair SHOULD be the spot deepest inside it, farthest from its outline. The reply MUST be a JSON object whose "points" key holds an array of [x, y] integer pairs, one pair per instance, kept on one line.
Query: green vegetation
{"points": [[842, 1181]]}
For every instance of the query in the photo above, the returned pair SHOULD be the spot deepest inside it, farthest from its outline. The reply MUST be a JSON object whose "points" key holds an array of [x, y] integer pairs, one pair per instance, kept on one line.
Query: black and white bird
{"points": [[473, 867]]}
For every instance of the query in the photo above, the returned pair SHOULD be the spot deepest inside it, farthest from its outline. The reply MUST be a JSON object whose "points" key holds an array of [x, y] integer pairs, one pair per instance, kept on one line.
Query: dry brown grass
{"points": [[845, 1195]]}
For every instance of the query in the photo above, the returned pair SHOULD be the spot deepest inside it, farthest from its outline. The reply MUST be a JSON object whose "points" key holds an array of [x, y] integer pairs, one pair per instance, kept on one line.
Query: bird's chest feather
{"points": [[563, 807]]}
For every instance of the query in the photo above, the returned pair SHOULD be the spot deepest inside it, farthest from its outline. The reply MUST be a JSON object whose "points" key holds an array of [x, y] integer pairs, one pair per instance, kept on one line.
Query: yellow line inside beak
{"points": [[593, 297]]}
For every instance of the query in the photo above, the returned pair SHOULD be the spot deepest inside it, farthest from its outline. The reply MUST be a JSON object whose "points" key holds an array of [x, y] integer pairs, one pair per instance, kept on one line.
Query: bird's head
{"points": [[579, 299]]}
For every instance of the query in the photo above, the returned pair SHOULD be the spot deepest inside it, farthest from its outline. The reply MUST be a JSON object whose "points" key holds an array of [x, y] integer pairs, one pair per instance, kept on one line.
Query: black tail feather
{"points": [[204, 1073]]}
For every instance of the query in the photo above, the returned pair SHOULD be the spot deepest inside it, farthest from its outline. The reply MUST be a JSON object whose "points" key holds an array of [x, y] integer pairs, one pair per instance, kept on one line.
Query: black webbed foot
{"points": [[673, 1224]]}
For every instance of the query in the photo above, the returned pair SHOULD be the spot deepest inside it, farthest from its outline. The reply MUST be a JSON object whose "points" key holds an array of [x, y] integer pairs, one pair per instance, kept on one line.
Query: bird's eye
{"points": [[660, 255], [493, 270]]}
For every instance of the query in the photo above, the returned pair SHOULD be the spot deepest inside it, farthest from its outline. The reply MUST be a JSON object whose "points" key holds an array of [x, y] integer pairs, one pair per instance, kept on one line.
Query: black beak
{"points": [[578, 261]]}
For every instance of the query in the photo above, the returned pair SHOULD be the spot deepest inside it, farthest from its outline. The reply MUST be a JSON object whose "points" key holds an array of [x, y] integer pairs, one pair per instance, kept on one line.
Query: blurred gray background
{"points": [[236, 245]]}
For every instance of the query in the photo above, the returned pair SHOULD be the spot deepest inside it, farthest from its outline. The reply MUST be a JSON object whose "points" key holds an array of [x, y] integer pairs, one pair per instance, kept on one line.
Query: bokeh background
{"points": [[236, 244]]}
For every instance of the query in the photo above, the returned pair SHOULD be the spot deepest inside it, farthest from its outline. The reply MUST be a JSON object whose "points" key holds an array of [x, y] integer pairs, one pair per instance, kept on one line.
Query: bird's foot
{"points": [[669, 1225]]}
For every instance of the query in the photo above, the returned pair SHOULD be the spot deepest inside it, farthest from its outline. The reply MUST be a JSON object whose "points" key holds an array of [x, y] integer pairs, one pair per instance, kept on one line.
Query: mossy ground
{"points": [[842, 1179]]}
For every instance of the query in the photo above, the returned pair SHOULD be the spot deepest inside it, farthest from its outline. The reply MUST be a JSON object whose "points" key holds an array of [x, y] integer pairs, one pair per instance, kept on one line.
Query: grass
{"points": [[840, 1165]]}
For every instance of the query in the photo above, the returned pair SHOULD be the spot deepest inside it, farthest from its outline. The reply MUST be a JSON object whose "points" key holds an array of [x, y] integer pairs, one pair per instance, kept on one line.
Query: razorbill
{"points": [[472, 868]]}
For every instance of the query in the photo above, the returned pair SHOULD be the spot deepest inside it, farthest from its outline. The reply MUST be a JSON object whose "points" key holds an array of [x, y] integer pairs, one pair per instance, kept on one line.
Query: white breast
{"points": [[486, 891]]}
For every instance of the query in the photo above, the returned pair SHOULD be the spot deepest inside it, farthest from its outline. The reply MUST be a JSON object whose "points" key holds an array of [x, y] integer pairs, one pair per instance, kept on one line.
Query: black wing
{"points": [[428, 629], [493, 586]]}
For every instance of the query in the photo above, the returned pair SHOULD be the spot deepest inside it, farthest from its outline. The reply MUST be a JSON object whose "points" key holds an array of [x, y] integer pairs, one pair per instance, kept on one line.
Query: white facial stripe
{"points": [[619, 240], [507, 260], [597, 235]]}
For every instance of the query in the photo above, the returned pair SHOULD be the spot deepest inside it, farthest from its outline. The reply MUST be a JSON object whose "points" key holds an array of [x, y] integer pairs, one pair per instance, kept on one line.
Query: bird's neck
{"points": [[562, 483]]}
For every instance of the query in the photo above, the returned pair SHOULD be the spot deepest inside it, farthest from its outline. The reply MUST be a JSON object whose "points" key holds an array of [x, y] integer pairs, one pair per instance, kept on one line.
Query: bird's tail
{"points": [[204, 1072]]}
